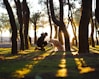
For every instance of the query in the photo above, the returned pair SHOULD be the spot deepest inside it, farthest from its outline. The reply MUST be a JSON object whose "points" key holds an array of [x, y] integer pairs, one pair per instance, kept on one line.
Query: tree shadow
{"points": [[89, 67], [13, 65], [64, 65], [51, 65], [47, 66]]}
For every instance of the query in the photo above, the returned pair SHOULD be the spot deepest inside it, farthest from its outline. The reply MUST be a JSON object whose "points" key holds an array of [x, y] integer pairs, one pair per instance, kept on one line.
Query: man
{"points": [[40, 42]]}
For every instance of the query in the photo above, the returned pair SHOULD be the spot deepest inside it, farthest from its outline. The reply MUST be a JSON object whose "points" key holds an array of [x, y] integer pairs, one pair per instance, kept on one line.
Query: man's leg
{"points": [[44, 43]]}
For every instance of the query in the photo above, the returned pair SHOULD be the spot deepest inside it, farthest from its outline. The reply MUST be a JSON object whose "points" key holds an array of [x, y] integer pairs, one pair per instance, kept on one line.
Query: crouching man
{"points": [[41, 43]]}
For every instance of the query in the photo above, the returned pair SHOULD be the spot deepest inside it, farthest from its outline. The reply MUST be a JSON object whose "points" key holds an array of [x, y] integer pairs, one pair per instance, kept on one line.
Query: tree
{"points": [[49, 17], [97, 10], [13, 27], [92, 28], [60, 23], [20, 20], [70, 20], [56, 31], [34, 19], [97, 19], [26, 18], [83, 27]]}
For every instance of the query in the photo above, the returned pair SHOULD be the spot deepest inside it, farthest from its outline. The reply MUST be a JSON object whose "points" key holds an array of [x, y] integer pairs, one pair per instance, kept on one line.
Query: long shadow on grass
{"points": [[88, 65], [56, 65], [72, 70], [16, 66], [46, 67], [63, 65], [50, 65]]}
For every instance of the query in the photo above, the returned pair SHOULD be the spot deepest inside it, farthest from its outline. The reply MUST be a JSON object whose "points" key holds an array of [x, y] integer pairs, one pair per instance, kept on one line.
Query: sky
{"points": [[34, 7]]}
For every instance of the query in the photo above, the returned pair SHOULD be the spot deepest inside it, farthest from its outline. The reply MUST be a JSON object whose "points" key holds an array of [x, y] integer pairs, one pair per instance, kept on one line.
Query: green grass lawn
{"points": [[36, 64]]}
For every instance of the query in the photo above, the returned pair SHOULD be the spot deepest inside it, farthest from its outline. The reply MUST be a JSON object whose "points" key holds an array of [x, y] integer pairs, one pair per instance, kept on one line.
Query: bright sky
{"points": [[34, 7]]}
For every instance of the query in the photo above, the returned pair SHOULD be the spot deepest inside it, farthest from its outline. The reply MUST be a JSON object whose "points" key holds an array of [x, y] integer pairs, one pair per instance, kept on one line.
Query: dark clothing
{"points": [[40, 42]]}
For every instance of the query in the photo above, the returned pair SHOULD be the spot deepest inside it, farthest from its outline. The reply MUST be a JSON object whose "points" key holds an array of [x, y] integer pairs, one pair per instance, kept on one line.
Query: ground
{"points": [[49, 64]]}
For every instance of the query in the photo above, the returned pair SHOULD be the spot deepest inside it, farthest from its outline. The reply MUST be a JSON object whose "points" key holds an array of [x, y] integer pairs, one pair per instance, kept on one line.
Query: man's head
{"points": [[42, 34], [46, 33]]}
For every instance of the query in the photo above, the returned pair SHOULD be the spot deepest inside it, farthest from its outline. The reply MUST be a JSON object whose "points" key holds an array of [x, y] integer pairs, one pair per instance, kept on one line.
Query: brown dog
{"points": [[57, 45]]}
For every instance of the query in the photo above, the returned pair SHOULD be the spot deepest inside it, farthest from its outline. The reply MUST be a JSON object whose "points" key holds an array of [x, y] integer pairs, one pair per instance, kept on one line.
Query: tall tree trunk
{"points": [[60, 36], [61, 19], [19, 14], [92, 30], [97, 19], [70, 17], [56, 31], [97, 42], [49, 17], [35, 35], [61, 25], [83, 27], [13, 27], [26, 14], [97, 10]]}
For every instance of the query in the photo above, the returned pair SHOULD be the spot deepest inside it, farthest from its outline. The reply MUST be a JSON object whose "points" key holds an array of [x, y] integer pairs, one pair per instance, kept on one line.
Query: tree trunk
{"points": [[26, 14], [60, 36], [97, 10], [13, 27], [35, 35], [61, 25], [70, 17], [97, 42], [83, 27], [56, 31], [97, 19], [92, 30], [19, 14], [49, 16]]}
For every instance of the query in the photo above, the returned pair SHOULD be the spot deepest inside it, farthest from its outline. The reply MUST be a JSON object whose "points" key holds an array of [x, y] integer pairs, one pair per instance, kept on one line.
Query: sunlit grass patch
{"points": [[9, 66], [5, 50], [37, 63], [95, 49]]}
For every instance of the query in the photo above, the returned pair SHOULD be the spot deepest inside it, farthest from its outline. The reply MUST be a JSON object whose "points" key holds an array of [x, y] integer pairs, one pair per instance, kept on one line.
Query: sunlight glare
{"points": [[70, 32], [6, 34]]}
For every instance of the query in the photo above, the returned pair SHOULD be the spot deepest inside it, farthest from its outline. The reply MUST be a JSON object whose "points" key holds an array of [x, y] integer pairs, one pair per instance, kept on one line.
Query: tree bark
{"points": [[61, 25], [56, 31], [26, 17], [83, 27], [97, 10], [49, 18], [92, 30], [60, 36], [19, 14], [13, 27], [97, 19]]}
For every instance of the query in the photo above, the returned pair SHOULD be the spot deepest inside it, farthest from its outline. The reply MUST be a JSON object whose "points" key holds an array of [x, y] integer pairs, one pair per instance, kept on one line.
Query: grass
{"points": [[36, 64]]}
